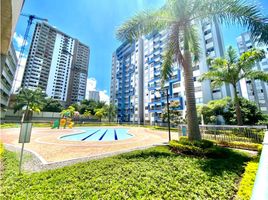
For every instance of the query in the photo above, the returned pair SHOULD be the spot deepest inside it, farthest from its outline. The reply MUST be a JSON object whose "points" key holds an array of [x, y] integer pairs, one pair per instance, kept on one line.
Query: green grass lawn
{"points": [[155, 173]]}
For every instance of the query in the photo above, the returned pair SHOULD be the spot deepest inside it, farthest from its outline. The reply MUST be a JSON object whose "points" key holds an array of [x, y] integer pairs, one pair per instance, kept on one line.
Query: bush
{"points": [[259, 150], [201, 144], [1, 149], [241, 145], [247, 182], [185, 149], [203, 148]]}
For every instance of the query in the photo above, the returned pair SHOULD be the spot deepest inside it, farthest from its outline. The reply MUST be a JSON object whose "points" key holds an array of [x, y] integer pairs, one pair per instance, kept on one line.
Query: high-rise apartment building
{"points": [[254, 90], [7, 76], [151, 59], [57, 63], [93, 95], [127, 81]]}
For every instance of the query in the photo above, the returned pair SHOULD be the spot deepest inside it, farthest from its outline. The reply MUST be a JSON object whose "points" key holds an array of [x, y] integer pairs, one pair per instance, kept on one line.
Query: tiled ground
{"points": [[45, 143]]}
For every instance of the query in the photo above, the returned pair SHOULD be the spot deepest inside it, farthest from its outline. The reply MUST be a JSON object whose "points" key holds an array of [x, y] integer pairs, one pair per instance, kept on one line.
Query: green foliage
{"points": [[111, 112], [9, 125], [251, 115], [100, 113], [69, 112], [231, 70], [212, 109], [32, 100], [155, 173], [1, 150], [52, 105], [203, 148], [247, 182], [174, 114], [240, 145]]}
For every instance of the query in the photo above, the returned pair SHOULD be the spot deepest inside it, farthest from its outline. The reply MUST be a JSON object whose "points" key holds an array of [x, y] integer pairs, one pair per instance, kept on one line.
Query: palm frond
{"points": [[258, 75], [236, 12], [194, 43], [248, 59], [167, 65], [142, 24], [231, 55]]}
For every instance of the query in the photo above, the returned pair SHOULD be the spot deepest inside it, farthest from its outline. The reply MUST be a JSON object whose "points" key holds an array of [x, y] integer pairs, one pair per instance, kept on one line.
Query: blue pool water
{"points": [[99, 134]]}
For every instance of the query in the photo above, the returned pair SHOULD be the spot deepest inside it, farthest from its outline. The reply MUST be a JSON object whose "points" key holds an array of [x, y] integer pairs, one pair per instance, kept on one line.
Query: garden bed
{"points": [[155, 173]]}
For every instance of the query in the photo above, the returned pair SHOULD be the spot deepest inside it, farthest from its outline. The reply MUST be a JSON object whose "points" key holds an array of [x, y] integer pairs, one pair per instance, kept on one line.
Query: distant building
{"points": [[256, 91], [94, 95], [58, 64], [7, 76]]}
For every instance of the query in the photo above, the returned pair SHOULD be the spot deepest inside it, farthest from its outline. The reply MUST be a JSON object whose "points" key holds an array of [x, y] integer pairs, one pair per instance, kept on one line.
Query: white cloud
{"points": [[19, 40], [104, 96], [91, 84]]}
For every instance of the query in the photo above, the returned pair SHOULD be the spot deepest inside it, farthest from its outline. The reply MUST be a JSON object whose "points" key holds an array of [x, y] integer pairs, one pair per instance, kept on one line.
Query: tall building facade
{"points": [[7, 76], [254, 90], [127, 81], [151, 57], [57, 63], [93, 95]]}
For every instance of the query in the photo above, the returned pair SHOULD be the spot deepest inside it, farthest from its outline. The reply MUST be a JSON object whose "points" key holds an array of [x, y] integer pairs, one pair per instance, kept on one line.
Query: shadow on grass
{"points": [[155, 152], [224, 160], [230, 160]]}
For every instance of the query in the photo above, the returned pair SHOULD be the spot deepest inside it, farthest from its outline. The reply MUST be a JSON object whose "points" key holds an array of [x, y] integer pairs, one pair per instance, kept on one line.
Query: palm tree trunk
{"points": [[237, 108], [192, 120]]}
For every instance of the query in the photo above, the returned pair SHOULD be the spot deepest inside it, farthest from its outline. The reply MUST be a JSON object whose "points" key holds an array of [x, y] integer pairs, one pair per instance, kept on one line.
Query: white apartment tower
{"points": [[254, 90], [57, 63]]}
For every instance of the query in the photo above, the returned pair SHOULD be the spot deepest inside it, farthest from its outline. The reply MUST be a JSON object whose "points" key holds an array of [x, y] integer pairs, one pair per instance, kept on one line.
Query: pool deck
{"points": [[47, 146]]}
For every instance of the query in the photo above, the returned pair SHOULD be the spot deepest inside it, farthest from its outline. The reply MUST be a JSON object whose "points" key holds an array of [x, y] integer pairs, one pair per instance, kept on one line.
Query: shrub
{"points": [[201, 144], [240, 145], [259, 150], [1, 149], [247, 182], [185, 149]]}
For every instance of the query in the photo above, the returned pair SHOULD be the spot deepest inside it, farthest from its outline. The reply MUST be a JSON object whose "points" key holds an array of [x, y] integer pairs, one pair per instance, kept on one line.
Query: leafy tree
{"points": [[31, 100], [111, 111], [212, 109], [69, 112], [226, 108], [175, 115], [52, 105], [249, 110], [179, 17], [87, 113], [232, 69], [100, 113]]}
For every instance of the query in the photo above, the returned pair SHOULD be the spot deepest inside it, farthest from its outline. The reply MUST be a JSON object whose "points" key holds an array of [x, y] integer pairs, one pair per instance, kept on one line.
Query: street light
{"points": [[169, 135], [167, 102]]}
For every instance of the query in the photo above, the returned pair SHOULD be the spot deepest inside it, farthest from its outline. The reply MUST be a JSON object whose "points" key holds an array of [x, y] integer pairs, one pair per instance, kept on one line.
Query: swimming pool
{"points": [[99, 134]]}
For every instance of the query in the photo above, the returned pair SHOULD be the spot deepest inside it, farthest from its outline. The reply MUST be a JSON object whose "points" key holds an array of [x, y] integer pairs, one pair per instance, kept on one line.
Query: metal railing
{"points": [[229, 133]]}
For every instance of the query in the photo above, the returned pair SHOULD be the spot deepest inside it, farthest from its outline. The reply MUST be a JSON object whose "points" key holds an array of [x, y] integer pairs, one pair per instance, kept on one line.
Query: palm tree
{"points": [[232, 69], [111, 111], [178, 17], [31, 100]]}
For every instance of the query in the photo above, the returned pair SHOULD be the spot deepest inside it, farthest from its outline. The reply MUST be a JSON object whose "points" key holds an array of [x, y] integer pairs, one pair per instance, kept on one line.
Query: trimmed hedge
{"points": [[240, 145], [247, 182], [1, 149], [203, 148]]}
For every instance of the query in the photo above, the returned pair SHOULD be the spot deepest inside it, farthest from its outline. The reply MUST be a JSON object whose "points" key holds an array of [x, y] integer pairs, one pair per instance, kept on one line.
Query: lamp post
{"points": [[169, 135]]}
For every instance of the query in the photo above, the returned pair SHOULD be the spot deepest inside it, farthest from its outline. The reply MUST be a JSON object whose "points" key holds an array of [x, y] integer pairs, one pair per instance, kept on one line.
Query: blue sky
{"points": [[94, 23]]}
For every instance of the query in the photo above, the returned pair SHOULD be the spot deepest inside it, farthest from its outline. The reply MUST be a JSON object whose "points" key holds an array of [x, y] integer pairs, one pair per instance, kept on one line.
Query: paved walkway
{"points": [[47, 146]]}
